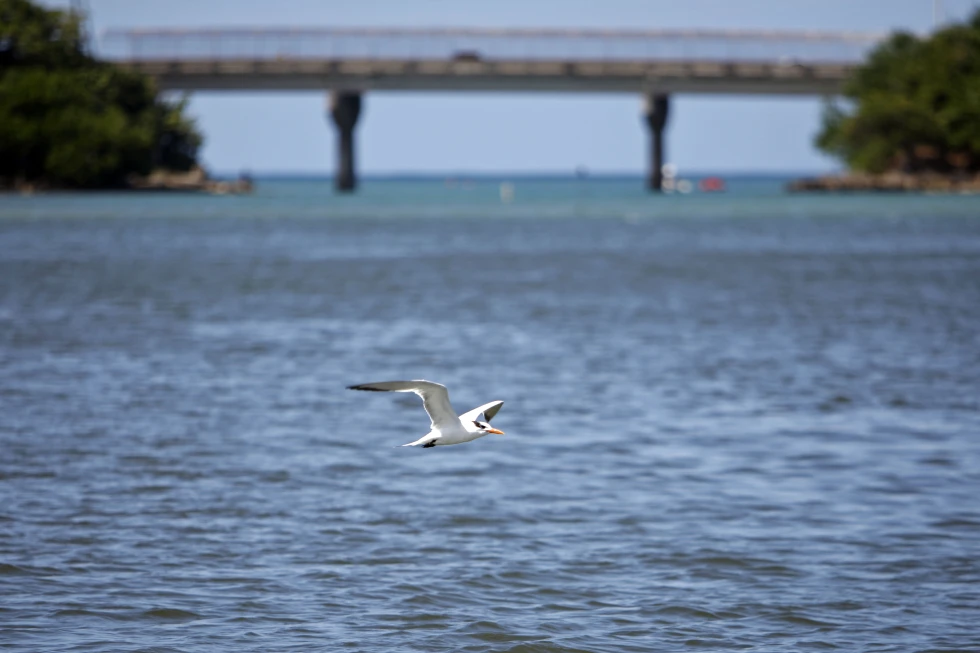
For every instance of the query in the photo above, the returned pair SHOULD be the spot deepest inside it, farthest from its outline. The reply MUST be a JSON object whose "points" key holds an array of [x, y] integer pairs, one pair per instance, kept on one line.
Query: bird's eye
{"points": [[478, 425]]}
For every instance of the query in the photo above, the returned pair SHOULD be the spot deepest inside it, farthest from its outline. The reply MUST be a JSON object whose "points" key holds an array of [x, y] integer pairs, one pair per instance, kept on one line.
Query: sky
{"points": [[422, 133]]}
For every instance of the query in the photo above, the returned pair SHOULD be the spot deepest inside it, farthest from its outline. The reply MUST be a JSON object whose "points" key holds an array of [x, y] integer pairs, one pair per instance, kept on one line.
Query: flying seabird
{"points": [[446, 428]]}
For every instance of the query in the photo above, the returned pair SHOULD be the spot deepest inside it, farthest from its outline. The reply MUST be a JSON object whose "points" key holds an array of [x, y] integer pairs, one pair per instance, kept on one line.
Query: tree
{"points": [[178, 141], [69, 120], [913, 106]]}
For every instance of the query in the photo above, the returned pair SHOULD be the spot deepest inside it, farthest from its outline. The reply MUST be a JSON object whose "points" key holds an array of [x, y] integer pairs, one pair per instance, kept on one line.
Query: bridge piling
{"points": [[655, 112], [345, 107]]}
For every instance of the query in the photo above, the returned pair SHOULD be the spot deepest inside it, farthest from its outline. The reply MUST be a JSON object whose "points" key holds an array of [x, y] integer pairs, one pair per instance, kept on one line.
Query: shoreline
{"points": [[889, 182], [195, 180]]}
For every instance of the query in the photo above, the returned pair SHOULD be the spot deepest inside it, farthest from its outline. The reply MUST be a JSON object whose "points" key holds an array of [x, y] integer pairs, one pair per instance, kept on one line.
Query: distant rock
{"points": [[889, 182], [193, 180]]}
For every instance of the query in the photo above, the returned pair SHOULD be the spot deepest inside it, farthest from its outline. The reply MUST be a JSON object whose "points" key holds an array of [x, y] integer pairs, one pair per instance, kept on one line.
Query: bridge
{"points": [[347, 62]]}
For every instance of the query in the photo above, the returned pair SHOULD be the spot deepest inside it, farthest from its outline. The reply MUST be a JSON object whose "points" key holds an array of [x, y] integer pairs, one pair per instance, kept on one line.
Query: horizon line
{"points": [[497, 174]]}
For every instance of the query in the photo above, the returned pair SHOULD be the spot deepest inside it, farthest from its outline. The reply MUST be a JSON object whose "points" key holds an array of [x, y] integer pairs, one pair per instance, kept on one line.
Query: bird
{"points": [[446, 428]]}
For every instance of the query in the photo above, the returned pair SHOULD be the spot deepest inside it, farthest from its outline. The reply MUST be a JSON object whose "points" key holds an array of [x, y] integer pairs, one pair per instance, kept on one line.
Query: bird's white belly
{"points": [[457, 437]]}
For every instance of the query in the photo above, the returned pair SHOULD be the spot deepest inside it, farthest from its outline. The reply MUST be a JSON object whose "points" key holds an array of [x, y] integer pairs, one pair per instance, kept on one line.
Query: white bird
{"points": [[446, 428]]}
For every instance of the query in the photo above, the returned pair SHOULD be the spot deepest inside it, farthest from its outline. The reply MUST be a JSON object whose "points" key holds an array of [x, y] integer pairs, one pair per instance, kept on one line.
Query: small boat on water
{"points": [[711, 185]]}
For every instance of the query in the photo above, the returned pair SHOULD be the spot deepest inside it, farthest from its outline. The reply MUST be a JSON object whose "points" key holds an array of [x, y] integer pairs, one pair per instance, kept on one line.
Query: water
{"points": [[743, 422]]}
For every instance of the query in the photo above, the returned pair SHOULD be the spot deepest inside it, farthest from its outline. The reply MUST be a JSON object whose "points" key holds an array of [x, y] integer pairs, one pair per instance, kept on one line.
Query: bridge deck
{"points": [[663, 61], [540, 75]]}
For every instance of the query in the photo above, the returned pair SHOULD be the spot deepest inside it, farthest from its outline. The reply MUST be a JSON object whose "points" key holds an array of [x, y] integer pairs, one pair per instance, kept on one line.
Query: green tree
{"points": [[67, 119], [177, 139], [33, 35], [913, 106]]}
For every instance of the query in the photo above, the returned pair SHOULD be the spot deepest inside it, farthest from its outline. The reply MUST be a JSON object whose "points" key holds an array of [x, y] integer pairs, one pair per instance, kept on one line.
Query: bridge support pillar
{"points": [[655, 114], [345, 107]]}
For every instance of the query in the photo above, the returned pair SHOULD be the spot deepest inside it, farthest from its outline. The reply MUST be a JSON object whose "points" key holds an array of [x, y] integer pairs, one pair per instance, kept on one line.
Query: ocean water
{"points": [[747, 421]]}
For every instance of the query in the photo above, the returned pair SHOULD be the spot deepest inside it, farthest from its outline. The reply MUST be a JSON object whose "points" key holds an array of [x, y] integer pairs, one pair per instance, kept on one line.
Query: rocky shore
{"points": [[891, 182], [195, 180]]}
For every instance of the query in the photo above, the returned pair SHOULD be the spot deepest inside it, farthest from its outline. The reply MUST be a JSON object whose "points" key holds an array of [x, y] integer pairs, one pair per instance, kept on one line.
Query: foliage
{"points": [[177, 139], [913, 106], [67, 119]]}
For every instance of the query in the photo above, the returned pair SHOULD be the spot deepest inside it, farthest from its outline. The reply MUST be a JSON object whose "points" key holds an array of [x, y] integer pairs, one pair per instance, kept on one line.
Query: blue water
{"points": [[746, 421]]}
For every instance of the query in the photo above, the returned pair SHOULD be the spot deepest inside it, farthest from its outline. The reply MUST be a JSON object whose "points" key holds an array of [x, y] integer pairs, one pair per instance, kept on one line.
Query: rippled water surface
{"points": [[749, 422]]}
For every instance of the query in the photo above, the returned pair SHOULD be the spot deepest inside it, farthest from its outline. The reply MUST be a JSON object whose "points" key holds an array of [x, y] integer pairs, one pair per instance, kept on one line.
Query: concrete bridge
{"points": [[350, 61]]}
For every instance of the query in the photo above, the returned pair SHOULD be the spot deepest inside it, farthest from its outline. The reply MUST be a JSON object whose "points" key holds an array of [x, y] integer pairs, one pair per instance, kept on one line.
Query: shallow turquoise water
{"points": [[748, 421]]}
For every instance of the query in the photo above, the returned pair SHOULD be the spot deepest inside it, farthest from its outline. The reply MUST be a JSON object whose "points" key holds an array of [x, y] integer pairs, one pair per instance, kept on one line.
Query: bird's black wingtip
{"points": [[364, 387]]}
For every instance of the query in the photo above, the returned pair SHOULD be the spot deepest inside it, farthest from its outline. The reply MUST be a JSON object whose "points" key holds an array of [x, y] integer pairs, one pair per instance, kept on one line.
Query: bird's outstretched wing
{"points": [[487, 410], [435, 398]]}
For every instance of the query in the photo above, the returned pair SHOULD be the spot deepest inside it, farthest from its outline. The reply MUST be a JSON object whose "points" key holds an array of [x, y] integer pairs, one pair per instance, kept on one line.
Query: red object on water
{"points": [[711, 185]]}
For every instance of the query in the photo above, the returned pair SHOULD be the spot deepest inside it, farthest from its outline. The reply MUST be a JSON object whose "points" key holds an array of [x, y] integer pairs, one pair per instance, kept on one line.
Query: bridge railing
{"points": [[488, 44]]}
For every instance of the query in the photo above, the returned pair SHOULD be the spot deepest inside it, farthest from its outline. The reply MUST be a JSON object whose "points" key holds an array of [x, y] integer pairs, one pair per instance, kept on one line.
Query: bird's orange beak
{"points": [[497, 431]]}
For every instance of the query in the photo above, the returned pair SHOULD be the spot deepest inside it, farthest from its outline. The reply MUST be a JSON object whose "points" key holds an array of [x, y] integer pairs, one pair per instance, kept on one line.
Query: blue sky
{"points": [[488, 132]]}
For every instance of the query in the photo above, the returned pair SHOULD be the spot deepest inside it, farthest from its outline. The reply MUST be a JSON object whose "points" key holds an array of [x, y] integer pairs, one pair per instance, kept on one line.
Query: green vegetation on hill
{"points": [[68, 120], [914, 106]]}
